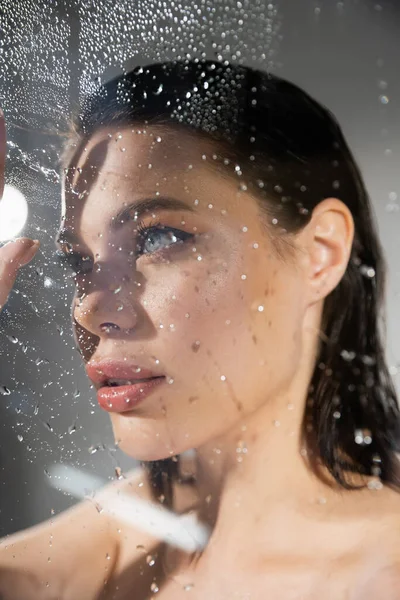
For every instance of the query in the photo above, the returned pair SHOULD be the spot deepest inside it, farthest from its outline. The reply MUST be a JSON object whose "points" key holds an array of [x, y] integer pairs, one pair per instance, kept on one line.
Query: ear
{"points": [[329, 239]]}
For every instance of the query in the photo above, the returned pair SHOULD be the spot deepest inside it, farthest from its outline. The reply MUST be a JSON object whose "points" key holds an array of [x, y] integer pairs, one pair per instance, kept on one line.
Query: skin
{"points": [[237, 376], [241, 352], [230, 347]]}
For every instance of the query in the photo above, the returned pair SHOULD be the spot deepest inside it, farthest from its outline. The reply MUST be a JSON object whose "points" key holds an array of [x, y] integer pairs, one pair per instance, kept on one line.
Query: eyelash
{"points": [[73, 260]]}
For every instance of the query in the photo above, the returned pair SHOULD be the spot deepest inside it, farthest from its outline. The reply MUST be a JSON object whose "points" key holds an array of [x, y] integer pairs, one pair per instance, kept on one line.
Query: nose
{"points": [[106, 306]]}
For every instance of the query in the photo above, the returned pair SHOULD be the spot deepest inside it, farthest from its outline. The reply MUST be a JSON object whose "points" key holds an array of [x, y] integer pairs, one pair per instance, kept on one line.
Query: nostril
{"points": [[108, 327]]}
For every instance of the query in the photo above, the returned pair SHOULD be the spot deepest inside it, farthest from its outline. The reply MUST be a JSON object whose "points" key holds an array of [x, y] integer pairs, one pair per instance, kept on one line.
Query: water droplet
{"points": [[20, 438], [367, 271], [150, 560], [260, 308], [376, 459], [376, 471], [188, 587], [154, 587], [241, 447], [116, 288], [375, 484], [363, 437], [48, 282], [4, 391], [119, 474], [99, 508], [348, 355]]}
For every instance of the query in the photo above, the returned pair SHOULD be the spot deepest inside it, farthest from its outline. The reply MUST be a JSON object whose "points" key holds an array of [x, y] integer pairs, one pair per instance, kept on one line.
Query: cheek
{"points": [[190, 294], [203, 316], [213, 328], [276, 334]]}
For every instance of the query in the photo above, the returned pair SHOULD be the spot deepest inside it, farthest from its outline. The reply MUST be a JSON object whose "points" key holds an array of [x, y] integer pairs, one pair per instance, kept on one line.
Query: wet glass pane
{"points": [[199, 332]]}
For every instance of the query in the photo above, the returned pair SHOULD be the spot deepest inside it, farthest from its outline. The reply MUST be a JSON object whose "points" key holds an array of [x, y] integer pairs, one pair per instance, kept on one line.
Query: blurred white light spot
{"points": [[13, 213], [48, 282]]}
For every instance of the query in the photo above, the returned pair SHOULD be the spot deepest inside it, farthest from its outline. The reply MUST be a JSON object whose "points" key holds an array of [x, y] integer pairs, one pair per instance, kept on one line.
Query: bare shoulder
{"points": [[382, 582], [38, 562], [383, 575], [83, 541]]}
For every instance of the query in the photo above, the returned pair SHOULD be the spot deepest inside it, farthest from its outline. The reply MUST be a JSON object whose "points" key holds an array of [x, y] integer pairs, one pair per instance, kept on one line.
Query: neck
{"points": [[261, 464], [259, 460], [256, 479]]}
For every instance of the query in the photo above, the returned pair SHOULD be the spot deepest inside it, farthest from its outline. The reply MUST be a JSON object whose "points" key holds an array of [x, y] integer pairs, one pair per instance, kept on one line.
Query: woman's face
{"points": [[187, 286]]}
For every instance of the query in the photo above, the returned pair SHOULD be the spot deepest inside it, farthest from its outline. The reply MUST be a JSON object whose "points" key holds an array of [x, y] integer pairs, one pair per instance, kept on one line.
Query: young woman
{"points": [[229, 285]]}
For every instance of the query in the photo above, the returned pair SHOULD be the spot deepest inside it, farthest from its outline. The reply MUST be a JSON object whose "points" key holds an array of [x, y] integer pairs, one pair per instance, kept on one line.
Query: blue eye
{"points": [[158, 237], [150, 240]]}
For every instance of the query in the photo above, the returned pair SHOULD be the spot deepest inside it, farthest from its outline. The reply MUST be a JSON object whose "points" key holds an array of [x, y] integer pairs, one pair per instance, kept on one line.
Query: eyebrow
{"points": [[129, 213]]}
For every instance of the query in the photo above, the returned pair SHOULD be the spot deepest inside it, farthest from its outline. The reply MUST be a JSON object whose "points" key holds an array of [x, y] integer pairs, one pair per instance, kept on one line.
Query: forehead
{"points": [[121, 166], [141, 153], [144, 160]]}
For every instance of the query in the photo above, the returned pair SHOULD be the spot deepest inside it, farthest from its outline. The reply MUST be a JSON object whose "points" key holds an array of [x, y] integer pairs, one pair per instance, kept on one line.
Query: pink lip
{"points": [[124, 398], [101, 371]]}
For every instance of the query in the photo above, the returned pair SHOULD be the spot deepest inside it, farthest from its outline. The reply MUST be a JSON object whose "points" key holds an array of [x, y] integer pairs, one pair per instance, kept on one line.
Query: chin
{"points": [[143, 439]]}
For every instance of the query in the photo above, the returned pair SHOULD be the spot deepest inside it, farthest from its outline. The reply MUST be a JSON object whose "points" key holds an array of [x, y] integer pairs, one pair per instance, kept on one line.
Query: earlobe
{"points": [[331, 232]]}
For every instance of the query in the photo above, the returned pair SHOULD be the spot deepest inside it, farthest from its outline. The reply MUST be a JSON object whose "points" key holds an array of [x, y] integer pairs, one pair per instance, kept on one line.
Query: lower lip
{"points": [[123, 398]]}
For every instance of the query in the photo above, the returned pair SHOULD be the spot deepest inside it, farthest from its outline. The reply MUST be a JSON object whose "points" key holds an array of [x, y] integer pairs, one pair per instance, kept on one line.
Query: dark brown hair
{"points": [[291, 150]]}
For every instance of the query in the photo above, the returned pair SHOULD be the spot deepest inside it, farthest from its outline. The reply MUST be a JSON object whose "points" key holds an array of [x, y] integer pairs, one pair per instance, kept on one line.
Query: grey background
{"points": [[346, 54]]}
